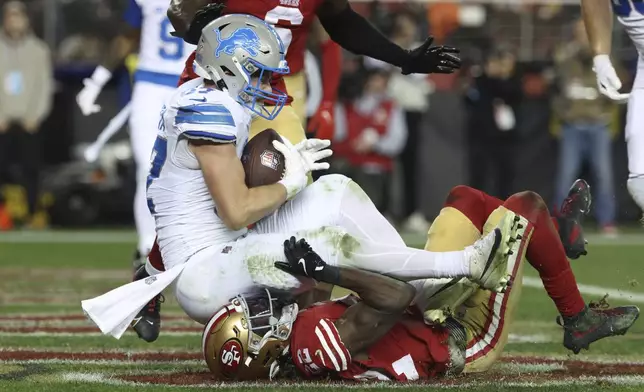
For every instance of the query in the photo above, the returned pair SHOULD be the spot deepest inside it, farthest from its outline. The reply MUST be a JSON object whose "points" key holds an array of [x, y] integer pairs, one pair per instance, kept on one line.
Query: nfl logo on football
{"points": [[270, 159]]}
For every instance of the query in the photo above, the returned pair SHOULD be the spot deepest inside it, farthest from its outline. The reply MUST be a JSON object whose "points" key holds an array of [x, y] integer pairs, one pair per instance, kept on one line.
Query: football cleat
{"points": [[570, 218], [489, 261], [592, 324], [147, 323]]}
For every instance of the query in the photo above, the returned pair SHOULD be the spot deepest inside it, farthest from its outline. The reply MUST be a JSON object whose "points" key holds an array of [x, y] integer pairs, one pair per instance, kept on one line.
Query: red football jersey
{"points": [[411, 350], [292, 20]]}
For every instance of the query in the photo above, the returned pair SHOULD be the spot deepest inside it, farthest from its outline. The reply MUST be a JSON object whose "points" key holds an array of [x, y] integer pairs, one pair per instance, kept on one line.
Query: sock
{"points": [[546, 253], [154, 263]]}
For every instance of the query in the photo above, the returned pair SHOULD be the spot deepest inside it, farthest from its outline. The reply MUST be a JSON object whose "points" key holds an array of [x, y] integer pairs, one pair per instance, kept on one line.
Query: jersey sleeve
{"points": [[206, 121], [133, 14], [317, 348]]}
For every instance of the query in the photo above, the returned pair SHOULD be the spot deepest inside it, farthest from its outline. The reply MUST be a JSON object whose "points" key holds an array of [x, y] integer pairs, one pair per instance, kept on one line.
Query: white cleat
{"points": [[490, 255]]}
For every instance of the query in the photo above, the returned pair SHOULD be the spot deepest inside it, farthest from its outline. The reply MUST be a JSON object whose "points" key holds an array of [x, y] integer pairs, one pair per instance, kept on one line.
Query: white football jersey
{"points": [[630, 13], [159, 52], [178, 198]]}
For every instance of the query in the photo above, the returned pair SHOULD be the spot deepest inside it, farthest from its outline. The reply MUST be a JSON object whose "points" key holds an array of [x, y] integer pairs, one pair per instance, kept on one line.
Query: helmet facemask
{"points": [[268, 318]]}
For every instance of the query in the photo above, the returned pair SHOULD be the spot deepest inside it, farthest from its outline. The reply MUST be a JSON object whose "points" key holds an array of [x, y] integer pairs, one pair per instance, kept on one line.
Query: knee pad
{"points": [[636, 189]]}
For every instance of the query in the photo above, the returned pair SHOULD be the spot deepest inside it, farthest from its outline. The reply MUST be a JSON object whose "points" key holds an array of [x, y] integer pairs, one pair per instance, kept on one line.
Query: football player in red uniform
{"points": [[293, 20], [375, 338]]}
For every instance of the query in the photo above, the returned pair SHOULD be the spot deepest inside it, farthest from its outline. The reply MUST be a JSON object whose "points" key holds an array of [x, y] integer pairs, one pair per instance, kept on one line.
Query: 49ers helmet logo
{"points": [[230, 356]]}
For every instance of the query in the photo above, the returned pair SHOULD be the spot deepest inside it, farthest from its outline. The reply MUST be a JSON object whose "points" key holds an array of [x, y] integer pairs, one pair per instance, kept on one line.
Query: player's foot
{"points": [[570, 218], [147, 322], [594, 324], [490, 254]]}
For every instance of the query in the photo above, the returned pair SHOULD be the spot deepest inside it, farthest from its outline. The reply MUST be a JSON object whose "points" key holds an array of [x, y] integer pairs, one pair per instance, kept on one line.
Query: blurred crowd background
{"points": [[523, 113]]}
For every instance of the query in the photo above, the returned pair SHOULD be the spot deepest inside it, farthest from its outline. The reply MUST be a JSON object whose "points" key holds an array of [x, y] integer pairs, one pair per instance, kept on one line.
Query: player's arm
{"points": [[354, 33], [598, 19], [189, 17], [322, 123], [120, 47], [237, 205], [384, 299]]}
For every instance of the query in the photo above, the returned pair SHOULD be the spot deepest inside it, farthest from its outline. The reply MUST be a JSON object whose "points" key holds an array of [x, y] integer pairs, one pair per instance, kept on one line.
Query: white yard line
{"points": [[88, 334], [625, 295], [103, 378]]}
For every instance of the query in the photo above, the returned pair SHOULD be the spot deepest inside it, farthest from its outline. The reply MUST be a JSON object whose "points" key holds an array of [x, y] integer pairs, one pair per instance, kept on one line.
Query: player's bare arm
{"points": [[598, 18], [237, 205], [354, 33], [384, 299]]}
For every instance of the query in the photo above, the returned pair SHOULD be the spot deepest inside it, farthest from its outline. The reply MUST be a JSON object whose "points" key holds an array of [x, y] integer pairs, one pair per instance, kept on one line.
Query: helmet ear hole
{"points": [[226, 71]]}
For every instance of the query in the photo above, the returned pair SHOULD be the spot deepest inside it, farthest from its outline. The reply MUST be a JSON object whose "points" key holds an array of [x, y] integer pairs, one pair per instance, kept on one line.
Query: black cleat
{"points": [[147, 322], [570, 218], [592, 324]]}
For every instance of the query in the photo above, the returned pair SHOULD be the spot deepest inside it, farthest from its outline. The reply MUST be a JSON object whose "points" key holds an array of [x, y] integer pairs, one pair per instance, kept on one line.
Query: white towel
{"points": [[114, 311]]}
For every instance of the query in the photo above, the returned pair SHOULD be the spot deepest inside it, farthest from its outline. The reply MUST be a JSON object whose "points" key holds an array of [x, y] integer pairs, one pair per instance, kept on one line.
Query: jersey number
{"points": [[171, 47], [625, 7], [159, 155], [292, 15], [405, 365]]}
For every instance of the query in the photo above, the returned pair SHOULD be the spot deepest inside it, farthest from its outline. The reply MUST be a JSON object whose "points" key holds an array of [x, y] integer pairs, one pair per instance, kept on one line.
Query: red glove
{"points": [[322, 124]]}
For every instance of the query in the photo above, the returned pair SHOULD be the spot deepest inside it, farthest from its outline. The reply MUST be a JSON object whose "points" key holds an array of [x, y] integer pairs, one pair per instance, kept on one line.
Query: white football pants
{"points": [[147, 101], [635, 137], [342, 225]]}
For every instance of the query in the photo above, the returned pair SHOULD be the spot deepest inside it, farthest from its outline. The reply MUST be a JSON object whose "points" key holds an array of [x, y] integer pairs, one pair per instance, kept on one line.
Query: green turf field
{"points": [[46, 344]]}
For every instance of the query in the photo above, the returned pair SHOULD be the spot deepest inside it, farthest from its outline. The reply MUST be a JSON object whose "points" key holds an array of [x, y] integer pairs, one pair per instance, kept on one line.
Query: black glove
{"points": [[303, 261], [201, 19], [432, 59]]}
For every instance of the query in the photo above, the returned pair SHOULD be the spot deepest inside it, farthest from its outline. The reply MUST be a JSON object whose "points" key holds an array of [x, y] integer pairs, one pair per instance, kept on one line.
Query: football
{"points": [[263, 164]]}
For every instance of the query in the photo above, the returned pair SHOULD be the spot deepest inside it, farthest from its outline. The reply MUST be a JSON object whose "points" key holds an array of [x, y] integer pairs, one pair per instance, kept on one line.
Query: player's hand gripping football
{"points": [[300, 160], [432, 59], [607, 80], [303, 261]]}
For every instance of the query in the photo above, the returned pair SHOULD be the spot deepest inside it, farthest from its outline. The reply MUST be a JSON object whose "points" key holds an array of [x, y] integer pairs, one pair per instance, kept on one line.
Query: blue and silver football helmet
{"points": [[239, 52]]}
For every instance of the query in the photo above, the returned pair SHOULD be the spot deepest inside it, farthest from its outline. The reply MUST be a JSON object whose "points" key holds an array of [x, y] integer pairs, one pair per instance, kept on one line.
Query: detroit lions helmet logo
{"points": [[244, 38]]}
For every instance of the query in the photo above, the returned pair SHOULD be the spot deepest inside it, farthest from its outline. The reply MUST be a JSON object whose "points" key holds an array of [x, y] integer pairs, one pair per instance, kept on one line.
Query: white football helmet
{"points": [[236, 48]]}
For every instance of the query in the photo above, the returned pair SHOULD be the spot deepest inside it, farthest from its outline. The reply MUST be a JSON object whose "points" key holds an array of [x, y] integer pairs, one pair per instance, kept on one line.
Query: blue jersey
{"points": [[161, 56]]}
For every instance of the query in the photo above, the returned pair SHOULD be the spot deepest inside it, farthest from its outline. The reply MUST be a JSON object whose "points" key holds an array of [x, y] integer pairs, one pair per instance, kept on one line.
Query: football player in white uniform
{"points": [[160, 62], [202, 206], [599, 25]]}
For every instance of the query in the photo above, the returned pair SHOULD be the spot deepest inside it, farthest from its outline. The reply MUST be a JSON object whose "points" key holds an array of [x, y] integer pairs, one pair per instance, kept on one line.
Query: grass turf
{"points": [[51, 274]]}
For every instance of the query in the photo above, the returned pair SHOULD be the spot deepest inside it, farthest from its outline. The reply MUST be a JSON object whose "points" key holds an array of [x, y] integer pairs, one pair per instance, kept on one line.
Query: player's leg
{"points": [[287, 124], [458, 225], [296, 87], [210, 278], [333, 200], [147, 102], [374, 244], [635, 145], [487, 315]]}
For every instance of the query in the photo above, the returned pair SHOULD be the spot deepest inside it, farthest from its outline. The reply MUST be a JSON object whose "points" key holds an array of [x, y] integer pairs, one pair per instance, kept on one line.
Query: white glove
{"points": [[86, 99], [300, 160], [607, 80]]}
